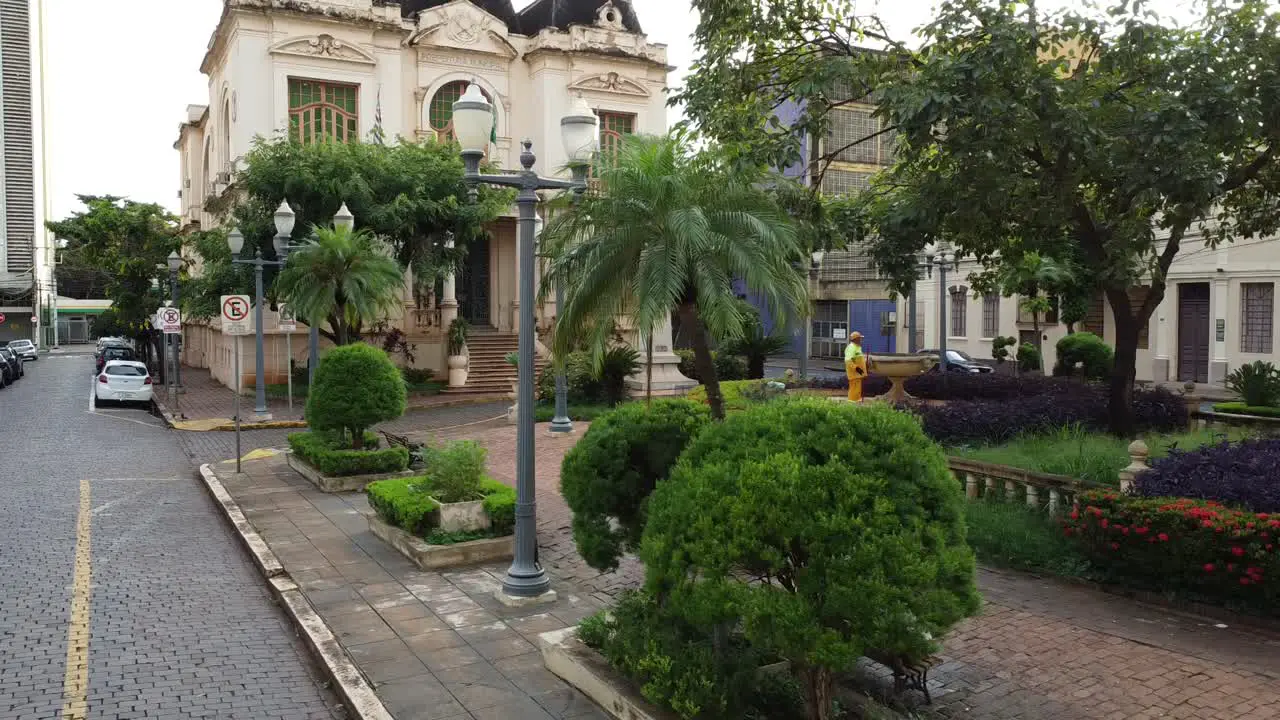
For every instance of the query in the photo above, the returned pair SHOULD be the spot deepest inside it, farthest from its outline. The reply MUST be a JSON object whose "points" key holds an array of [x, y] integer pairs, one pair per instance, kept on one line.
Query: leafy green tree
{"points": [[356, 387], [129, 242], [1109, 138], [670, 231], [344, 276], [753, 344], [410, 194]]}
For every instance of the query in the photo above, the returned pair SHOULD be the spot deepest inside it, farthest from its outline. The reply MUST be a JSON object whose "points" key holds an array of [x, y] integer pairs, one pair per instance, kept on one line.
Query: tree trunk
{"points": [[1035, 327], [1120, 415], [357, 438], [755, 367], [338, 320], [702, 358], [815, 682]]}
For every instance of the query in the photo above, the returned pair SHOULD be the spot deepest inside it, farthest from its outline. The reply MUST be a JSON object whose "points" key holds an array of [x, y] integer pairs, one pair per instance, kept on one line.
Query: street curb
{"points": [[229, 425], [361, 701]]}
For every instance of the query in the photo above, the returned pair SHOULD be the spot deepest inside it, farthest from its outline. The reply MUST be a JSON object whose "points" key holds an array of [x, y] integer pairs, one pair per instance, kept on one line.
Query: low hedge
{"points": [[954, 385], [406, 504], [737, 394], [1241, 473], [1190, 547], [325, 453], [1239, 408]]}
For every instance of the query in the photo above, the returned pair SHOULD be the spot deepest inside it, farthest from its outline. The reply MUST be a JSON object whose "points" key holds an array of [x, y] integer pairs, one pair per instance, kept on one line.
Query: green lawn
{"points": [[545, 411], [1011, 535], [1088, 456]]}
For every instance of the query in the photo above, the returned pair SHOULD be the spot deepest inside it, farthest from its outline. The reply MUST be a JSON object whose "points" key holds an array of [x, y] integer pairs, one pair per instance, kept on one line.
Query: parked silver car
{"points": [[25, 349]]}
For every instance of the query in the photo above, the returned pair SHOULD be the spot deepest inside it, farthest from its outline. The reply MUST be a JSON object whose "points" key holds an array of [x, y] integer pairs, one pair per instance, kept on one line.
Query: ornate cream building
{"points": [[334, 70]]}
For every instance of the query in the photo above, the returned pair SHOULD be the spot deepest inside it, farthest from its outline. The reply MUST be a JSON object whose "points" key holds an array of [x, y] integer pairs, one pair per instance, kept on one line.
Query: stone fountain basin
{"points": [[898, 367]]}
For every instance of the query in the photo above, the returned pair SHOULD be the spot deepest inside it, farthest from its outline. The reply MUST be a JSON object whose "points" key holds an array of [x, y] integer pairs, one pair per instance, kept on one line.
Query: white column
{"points": [[448, 297], [1163, 328], [1218, 311]]}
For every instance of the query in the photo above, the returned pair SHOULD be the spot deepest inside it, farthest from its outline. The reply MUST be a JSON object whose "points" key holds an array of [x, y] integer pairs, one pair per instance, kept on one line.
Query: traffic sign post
{"points": [[288, 324], [235, 314], [171, 321], [1, 318]]}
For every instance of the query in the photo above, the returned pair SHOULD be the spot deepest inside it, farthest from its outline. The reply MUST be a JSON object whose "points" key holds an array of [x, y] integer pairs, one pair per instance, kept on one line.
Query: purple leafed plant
{"points": [[1245, 473]]}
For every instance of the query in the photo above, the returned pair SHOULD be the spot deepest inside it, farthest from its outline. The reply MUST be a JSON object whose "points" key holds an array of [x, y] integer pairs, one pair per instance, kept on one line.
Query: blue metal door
{"points": [[875, 320]]}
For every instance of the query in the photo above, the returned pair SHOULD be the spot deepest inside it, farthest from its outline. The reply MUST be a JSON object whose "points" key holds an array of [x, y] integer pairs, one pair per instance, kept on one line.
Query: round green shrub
{"points": [[822, 530], [1086, 350], [1028, 357], [607, 477], [356, 387]]}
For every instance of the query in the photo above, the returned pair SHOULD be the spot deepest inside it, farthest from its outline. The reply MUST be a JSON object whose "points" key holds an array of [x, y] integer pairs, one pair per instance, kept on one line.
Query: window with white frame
{"points": [[959, 297], [990, 315], [1257, 309]]}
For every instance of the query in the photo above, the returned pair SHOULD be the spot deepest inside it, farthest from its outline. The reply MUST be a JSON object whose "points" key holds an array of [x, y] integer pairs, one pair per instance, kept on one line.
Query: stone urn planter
{"points": [[898, 367], [466, 516], [457, 370]]}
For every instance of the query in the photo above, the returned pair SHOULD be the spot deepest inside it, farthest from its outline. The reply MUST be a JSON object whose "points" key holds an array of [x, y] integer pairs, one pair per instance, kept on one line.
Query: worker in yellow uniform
{"points": [[855, 365]]}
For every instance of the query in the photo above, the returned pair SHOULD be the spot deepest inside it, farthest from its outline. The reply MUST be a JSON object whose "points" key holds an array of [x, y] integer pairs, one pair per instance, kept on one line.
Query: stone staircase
{"points": [[489, 372]]}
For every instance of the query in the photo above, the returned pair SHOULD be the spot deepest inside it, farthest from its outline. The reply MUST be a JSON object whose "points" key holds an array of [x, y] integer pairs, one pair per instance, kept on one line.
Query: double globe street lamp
{"points": [[284, 222], [473, 123]]}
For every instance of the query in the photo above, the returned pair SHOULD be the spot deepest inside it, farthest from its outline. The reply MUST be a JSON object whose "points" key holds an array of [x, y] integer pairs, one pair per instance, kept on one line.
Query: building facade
{"points": [[1218, 313], [346, 70], [19, 219]]}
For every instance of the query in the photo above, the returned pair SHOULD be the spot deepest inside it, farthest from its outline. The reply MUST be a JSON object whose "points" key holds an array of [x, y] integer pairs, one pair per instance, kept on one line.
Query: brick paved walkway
{"points": [[1040, 649], [206, 398]]}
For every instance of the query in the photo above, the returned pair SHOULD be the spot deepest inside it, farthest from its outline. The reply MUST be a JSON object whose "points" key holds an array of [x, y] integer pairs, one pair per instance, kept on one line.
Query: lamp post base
{"points": [[519, 601], [260, 417], [561, 426]]}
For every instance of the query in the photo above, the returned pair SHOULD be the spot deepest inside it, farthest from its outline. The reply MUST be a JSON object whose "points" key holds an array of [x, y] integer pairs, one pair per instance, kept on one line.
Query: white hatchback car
{"points": [[124, 381]]}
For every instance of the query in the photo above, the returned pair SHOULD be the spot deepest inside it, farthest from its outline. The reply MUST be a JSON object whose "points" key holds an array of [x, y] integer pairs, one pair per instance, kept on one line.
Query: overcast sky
{"points": [[121, 73]]}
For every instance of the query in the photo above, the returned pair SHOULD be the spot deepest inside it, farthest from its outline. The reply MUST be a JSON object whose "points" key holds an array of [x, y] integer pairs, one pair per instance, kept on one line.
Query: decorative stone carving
{"points": [[609, 16], [611, 82], [464, 26], [324, 46]]}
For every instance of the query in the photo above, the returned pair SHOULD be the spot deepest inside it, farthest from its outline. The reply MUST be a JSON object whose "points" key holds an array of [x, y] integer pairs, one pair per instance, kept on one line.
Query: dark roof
{"points": [[500, 9], [560, 14]]}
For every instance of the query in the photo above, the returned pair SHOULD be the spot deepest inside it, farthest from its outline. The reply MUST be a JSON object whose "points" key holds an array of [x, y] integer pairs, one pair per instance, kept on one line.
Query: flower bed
{"points": [[1243, 473], [406, 503], [1181, 545], [326, 453], [953, 386], [990, 422]]}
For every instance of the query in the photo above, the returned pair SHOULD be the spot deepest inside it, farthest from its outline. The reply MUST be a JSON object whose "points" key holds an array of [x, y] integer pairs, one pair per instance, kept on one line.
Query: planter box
{"points": [[436, 557], [343, 483], [585, 669], [462, 516]]}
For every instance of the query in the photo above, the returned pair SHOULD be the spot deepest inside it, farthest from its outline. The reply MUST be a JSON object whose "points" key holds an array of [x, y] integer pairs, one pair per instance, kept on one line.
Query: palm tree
{"points": [[1031, 276], [343, 276], [670, 231], [753, 344]]}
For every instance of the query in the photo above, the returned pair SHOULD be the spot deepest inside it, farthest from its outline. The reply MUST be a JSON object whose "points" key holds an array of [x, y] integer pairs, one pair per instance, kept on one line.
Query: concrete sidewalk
{"points": [[207, 405]]}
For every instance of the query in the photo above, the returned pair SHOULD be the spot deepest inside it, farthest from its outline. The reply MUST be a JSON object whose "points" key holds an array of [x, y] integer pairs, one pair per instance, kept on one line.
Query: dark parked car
{"points": [[12, 363], [958, 361], [112, 352]]}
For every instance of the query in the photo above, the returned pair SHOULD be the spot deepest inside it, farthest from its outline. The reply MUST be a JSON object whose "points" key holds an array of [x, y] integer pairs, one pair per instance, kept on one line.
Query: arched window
{"points": [[224, 154], [323, 111], [440, 111]]}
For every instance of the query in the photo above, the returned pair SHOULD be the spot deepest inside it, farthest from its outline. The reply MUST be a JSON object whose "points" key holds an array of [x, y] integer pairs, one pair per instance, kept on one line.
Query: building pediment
{"points": [[324, 46], [464, 26], [610, 82]]}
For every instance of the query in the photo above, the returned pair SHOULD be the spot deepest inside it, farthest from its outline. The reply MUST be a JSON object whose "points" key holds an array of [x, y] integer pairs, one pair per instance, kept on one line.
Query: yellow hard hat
{"points": [[855, 335]]}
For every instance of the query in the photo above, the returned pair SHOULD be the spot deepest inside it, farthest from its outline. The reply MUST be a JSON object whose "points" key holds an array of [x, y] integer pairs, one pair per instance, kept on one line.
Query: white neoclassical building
{"points": [[334, 70]]}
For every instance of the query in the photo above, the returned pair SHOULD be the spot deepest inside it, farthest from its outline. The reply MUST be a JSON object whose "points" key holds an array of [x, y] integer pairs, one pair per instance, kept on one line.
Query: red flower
{"points": [[1104, 522], [1231, 567], [1250, 525], [1163, 537], [1237, 551], [1244, 580], [1115, 546], [1075, 514], [1140, 531], [1268, 546], [1218, 529], [1206, 523], [1208, 567], [1124, 530]]}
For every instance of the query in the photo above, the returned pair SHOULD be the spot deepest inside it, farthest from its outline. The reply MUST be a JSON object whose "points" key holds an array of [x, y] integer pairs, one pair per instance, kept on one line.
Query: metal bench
{"points": [[416, 456], [908, 673]]}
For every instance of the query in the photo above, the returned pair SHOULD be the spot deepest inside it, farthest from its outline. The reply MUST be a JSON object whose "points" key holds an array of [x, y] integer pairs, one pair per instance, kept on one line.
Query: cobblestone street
{"points": [[123, 594]]}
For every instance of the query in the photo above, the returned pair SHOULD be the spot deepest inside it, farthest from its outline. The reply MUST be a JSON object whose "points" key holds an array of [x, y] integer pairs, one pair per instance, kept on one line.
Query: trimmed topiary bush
{"points": [[607, 477], [356, 387], [331, 455], [1086, 350], [821, 530], [1181, 545], [406, 503], [1029, 358], [1241, 473]]}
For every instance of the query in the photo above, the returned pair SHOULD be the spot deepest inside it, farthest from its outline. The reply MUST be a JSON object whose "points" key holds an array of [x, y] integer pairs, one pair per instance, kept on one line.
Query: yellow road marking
{"points": [[75, 687]]}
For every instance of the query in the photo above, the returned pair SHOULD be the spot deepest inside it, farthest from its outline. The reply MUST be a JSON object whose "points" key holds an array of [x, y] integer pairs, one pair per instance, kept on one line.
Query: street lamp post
{"points": [[175, 264], [943, 258], [560, 424], [817, 256], [281, 244], [580, 131]]}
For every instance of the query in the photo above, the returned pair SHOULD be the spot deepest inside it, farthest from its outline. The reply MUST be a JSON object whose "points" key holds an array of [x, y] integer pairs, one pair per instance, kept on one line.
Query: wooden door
{"points": [[1193, 332]]}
